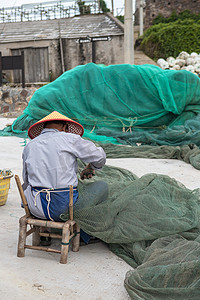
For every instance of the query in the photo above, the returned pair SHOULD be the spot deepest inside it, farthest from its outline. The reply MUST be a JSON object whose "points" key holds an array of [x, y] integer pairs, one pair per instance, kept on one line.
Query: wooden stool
{"points": [[70, 230]]}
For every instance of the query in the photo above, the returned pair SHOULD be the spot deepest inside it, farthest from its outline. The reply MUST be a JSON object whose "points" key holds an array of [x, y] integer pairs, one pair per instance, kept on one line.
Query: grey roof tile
{"points": [[80, 26]]}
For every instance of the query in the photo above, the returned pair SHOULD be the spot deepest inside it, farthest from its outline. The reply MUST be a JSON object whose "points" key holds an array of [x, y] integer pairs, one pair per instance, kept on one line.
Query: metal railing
{"points": [[48, 10]]}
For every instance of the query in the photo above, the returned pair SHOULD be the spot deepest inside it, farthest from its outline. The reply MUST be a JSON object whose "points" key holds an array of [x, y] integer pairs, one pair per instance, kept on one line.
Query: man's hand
{"points": [[87, 172]]}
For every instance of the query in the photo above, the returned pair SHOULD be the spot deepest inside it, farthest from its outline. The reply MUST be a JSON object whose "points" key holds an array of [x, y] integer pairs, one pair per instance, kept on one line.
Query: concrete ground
{"points": [[94, 273], [142, 59]]}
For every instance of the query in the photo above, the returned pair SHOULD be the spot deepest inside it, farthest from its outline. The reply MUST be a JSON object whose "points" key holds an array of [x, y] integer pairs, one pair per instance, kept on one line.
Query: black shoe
{"points": [[45, 241], [93, 240]]}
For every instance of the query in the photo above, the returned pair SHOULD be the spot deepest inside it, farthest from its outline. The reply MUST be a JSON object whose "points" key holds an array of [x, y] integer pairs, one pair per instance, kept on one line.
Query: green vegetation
{"points": [[169, 39], [186, 14], [103, 6], [83, 8], [121, 18]]}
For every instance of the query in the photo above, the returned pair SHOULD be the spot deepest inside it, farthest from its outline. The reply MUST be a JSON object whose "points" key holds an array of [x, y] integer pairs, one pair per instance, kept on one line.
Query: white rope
{"points": [[48, 197]]}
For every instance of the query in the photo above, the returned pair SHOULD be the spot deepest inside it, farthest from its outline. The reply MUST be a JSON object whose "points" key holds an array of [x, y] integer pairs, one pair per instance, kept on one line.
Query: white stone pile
{"points": [[184, 61]]}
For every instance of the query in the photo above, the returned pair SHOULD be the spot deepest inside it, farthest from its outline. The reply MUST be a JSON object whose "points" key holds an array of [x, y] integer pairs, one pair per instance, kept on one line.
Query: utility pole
{"points": [[141, 17], [112, 5], [128, 33]]}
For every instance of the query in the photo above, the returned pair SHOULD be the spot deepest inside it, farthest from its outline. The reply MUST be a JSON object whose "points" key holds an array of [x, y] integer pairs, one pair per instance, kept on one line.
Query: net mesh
{"points": [[152, 223], [122, 104]]}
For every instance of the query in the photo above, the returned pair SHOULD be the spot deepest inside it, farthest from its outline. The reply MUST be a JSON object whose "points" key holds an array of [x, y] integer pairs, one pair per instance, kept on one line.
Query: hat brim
{"points": [[73, 127]]}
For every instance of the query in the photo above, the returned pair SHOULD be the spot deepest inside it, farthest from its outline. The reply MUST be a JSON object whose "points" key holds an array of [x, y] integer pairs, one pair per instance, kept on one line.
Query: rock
{"points": [[24, 93], [5, 95], [9, 100], [163, 63], [20, 106], [183, 55], [5, 109]]}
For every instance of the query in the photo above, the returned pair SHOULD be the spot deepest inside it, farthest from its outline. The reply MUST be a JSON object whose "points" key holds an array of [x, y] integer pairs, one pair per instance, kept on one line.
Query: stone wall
{"points": [[155, 7], [13, 100]]}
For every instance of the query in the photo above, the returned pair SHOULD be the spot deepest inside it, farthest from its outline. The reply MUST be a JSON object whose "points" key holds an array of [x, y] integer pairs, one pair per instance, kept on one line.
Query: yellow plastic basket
{"points": [[4, 188]]}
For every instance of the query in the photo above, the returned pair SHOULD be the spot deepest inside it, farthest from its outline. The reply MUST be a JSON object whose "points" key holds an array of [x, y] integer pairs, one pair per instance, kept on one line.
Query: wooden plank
{"points": [[16, 73], [23, 69], [46, 64], [36, 64], [26, 63]]}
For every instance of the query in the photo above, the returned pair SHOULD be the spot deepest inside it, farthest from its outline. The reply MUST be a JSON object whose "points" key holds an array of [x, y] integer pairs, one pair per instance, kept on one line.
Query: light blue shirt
{"points": [[50, 161]]}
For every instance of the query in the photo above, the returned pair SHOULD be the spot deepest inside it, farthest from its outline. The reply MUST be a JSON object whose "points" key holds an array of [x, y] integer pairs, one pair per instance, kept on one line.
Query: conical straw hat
{"points": [[73, 127]]}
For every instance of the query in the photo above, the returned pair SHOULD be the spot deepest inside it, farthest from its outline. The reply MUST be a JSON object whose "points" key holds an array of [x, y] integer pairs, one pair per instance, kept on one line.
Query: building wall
{"points": [[106, 52], [54, 57], [165, 8]]}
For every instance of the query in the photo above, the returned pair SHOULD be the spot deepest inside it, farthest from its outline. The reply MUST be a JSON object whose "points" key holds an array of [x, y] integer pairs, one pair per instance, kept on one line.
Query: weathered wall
{"points": [[165, 8], [54, 57], [15, 99], [106, 52]]}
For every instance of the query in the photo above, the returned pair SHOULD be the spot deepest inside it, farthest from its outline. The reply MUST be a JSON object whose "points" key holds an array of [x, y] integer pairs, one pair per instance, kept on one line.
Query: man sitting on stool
{"points": [[50, 165]]}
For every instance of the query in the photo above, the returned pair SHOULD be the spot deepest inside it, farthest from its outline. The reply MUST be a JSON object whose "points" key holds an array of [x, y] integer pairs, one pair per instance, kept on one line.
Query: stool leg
{"points": [[22, 236], [65, 244], [76, 239], [36, 236]]}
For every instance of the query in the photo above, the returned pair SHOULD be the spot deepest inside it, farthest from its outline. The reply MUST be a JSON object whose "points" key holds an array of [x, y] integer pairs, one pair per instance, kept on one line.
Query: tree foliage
{"points": [[85, 9], [103, 6], [121, 18]]}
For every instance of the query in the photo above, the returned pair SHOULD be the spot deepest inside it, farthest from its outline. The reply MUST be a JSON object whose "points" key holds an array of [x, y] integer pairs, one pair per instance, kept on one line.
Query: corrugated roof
{"points": [[76, 27]]}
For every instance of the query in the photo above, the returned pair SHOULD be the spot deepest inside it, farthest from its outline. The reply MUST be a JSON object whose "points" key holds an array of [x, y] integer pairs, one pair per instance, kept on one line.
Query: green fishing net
{"points": [[123, 104], [152, 223], [187, 153]]}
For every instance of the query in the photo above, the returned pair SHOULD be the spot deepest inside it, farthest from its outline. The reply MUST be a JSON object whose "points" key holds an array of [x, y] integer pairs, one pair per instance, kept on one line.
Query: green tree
{"points": [[103, 6], [121, 18], [83, 8]]}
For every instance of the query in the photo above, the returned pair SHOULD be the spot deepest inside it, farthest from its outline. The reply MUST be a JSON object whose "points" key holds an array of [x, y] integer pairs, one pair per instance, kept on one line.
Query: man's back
{"points": [[51, 158]]}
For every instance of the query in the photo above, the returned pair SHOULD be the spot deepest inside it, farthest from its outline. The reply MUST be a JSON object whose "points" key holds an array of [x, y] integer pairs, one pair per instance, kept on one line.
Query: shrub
{"points": [[186, 14], [169, 39]]}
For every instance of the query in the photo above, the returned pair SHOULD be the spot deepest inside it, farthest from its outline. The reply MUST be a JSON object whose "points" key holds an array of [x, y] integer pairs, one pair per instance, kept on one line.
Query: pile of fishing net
{"points": [[124, 104], [152, 223]]}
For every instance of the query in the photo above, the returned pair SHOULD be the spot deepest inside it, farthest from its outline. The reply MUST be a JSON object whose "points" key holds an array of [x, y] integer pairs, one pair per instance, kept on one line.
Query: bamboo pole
{"points": [[76, 239], [71, 217], [21, 192], [42, 248], [52, 235], [65, 244], [36, 236], [22, 236], [30, 231], [51, 224]]}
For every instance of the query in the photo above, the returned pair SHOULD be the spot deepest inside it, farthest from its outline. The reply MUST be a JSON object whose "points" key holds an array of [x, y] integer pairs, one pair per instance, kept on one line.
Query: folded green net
{"points": [[152, 223]]}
